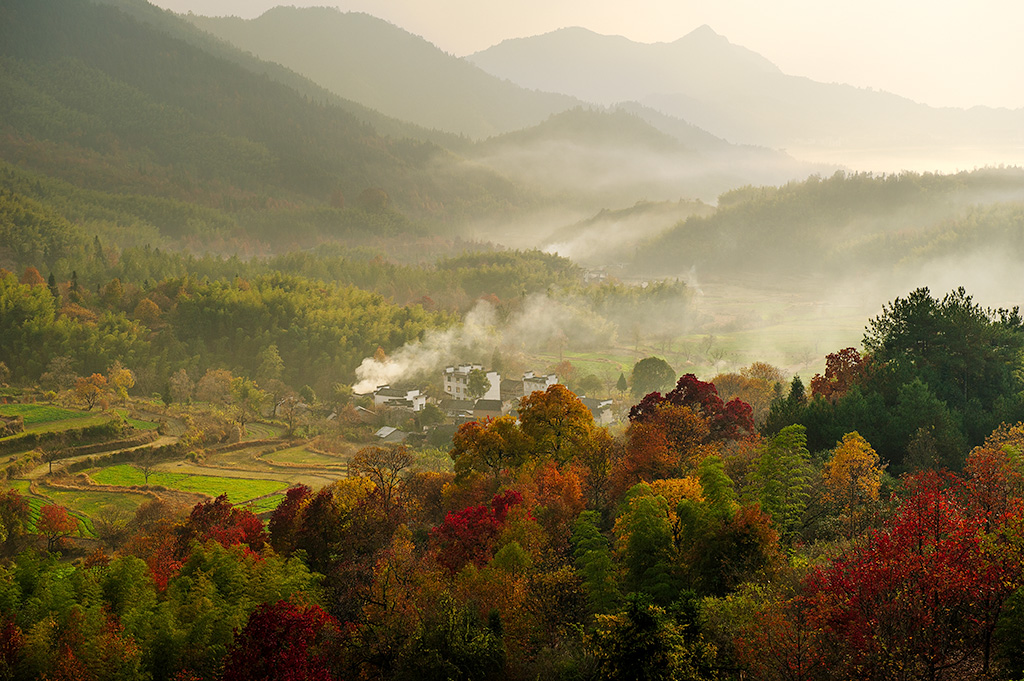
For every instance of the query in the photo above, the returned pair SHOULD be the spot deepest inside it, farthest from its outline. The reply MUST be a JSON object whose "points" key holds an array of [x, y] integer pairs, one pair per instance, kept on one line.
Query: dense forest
{"points": [[692, 544]]}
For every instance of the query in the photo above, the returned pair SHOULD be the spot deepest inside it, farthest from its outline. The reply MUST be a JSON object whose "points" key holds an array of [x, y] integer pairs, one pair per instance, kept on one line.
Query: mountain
{"points": [[107, 103], [176, 26], [385, 68], [736, 94], [617, 156]]}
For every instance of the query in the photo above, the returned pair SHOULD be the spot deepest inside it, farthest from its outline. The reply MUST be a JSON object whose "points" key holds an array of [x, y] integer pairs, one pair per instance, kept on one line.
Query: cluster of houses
{"points": [[461, 403]]}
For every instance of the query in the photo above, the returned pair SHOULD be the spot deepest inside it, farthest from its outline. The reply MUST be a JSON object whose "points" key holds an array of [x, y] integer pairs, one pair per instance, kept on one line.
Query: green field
{"points": [[40, 413], [85, 527], [94, 503], [264, 505], [262, 431], [237, 489], [81, 421], [302, 456], [136, 423]]}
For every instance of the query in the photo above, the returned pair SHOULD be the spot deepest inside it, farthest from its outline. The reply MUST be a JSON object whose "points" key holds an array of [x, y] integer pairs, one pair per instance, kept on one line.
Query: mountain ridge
{"points": [[738, 95], [388, 69]]}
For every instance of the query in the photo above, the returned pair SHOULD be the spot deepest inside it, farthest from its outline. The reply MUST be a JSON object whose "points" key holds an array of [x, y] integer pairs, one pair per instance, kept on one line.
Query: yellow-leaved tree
{"points": [[852, 478]]}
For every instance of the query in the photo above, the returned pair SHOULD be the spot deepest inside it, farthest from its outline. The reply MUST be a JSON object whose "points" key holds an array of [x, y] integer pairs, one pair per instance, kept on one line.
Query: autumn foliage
{"points": [[224, 523], [468, 535], [282, 642]]}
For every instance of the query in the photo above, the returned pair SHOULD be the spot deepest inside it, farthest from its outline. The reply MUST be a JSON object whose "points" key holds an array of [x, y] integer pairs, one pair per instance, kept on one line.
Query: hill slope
{"points": [[96, 98], [859, 226], [616, 157], [383, 67]]}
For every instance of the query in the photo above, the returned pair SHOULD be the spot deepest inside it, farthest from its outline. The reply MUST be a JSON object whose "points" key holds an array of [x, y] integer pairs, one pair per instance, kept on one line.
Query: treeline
{"points": [[937, 376], [45, 221], [689, 546], [322, 330], [836, 225], [159, 312]]}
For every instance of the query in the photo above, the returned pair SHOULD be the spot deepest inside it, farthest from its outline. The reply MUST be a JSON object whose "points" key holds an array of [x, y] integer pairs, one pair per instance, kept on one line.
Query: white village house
{"points": [[386, 396], [456, 382], [533, 382]]}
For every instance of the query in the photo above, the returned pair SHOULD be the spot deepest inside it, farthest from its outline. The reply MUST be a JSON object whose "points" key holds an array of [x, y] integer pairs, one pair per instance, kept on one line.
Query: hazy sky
{"points": [[940, 52]]}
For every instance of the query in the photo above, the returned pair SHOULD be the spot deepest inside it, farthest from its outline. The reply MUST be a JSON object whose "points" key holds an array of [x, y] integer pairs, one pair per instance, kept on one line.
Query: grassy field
{"points": [[302, 456], [40, 413], [240, 458], [262, 431], [95, 503], [136, 423], [85, 526], [265, 504], [238, 490], [82, 421]]}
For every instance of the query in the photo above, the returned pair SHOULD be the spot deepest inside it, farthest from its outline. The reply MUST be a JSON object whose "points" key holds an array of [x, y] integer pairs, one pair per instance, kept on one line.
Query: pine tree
{"points": [[783, 478]]}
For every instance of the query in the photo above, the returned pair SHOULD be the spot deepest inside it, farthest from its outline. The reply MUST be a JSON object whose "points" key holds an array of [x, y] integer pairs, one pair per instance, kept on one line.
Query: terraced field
{"points": [[304, 457], [40, 413], [238, 490], [262, 431], [94, 503], [254, 476]]}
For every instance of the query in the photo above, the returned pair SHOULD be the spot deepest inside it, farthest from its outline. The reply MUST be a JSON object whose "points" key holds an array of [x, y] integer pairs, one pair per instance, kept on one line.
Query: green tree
{"points": [[652, 374], [645, 536], [643, 643], [269, 364], [782, 477], [593, 557], [957, 347], [248, 399], [477, 384]]}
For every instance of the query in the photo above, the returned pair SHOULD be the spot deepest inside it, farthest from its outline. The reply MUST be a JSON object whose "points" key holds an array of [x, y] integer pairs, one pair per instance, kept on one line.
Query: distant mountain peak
{"points": [[704, 31]]}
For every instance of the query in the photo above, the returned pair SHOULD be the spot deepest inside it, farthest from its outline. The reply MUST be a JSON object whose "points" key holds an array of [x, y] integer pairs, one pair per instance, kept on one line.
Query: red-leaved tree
{"points": [[223, 522], [282, 642], [468, 536], [920, 596], [726, 421]]}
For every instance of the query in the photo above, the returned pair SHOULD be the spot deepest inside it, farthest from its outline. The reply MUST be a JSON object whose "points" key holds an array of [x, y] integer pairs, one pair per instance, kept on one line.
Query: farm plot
{"points": [[138, 424], [79, 421], [92, 503], [265, 504], [40, 413], [238, 490], [85, 526], [262, 431], [301, 456]]}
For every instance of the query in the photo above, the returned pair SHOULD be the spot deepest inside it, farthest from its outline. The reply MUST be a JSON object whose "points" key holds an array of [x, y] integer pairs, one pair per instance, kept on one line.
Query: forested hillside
{"points": [[688, 544], [105, 102], [847, 223], [370, 61]]}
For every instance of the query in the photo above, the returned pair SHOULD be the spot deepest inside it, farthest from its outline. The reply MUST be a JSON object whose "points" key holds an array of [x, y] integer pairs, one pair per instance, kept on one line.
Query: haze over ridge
{"points": [[949, 54]]}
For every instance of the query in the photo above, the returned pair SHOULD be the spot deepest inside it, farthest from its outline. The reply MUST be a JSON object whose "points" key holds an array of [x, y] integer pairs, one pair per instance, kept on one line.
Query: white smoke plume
{"points": [[540, 320], [436, 349]]}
